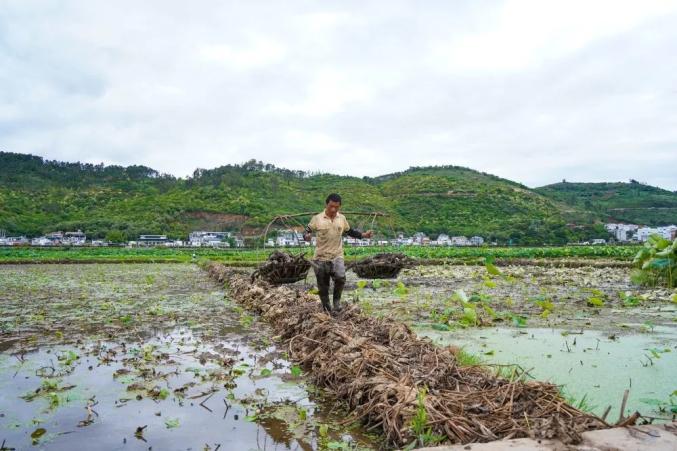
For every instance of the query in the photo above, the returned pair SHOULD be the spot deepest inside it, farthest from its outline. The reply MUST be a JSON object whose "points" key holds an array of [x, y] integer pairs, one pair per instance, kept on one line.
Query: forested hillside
{"points": [[38, 196]]}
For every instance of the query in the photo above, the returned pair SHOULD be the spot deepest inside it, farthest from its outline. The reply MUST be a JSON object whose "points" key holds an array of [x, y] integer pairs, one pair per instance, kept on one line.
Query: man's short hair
{"points": [[333, 197]]}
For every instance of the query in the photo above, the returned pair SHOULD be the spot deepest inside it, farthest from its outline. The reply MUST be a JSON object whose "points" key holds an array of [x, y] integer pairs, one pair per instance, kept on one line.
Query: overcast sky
{"points": [[534, 91]]}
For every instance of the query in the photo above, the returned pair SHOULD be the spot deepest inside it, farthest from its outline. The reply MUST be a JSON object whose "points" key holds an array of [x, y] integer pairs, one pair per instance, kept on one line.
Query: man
{"points": [[330, 226]]}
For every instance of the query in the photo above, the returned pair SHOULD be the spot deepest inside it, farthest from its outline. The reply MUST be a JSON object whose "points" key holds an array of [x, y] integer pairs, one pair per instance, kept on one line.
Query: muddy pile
{"points": [[379, 367], [282, 267], [380, 266]]}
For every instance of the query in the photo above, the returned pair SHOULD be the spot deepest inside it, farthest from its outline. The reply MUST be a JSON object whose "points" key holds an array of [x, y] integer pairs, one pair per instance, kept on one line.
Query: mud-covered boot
{"points": [[325, 303], [338, 289]]}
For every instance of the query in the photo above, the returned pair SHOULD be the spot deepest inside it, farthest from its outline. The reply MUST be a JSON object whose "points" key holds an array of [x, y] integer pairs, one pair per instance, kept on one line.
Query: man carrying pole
{"points": [[328, 264]]}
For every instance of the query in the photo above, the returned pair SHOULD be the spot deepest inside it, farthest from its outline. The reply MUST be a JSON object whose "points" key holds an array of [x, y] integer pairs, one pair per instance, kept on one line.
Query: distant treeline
{"points": [[38, 196]]}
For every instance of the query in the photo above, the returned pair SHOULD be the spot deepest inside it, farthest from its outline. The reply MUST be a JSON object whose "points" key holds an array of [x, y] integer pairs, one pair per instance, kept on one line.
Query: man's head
{"points": [[332, 204]]}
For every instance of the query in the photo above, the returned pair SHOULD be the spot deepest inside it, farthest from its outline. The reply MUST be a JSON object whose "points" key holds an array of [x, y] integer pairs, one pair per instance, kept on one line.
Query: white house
{"points": [[460, 241], [420, 238], [55, 237], [41, 241], [288, 238], [443, 240], [621, 232], [401, 240], [643, 233], [16, 240], [203, 238], [476, 241], [356, 241], [75, 238], [152, 240], [668, 232]]}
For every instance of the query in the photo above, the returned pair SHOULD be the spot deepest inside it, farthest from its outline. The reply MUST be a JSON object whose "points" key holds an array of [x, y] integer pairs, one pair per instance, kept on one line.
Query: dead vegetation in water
{"points": [[520, 296], [414, 391], [60, 304], [157, 343]]}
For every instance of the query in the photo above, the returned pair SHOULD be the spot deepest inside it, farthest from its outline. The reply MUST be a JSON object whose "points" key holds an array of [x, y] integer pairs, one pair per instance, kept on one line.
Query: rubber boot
{"points": [[339, 283], [325, 303], [322, 276]]}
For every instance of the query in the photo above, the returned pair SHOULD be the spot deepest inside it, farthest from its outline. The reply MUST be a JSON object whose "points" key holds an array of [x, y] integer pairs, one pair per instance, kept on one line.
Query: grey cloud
{"points": [[177, 86]]}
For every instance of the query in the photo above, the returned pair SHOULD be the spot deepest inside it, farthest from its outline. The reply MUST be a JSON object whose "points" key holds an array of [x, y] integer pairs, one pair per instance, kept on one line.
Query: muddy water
{"points": [[148, 356], [594, 368]]}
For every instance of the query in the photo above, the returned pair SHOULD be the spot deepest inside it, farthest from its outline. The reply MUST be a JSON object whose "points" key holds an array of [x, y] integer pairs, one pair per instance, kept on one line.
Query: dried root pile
{"points": [[378, 367], [380, 266], [282, 267]]}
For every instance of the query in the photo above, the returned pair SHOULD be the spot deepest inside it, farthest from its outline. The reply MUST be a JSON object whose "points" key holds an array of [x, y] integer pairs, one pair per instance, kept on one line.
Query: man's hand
{"points": [[368, 234]]}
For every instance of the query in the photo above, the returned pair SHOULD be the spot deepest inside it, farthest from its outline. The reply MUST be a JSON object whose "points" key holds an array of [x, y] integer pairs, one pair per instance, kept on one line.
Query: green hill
{"points": [[631, 202], [38, 196], [468, 202]]}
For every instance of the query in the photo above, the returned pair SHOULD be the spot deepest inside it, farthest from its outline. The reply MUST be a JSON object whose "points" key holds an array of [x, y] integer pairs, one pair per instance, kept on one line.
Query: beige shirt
{"points": [[329, 235]]}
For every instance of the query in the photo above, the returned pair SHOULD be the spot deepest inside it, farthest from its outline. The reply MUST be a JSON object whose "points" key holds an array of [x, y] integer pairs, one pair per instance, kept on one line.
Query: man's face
{"points": [[332, 208]]}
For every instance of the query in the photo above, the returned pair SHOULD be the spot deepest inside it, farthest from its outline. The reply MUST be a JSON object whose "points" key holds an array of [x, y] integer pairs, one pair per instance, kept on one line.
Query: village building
{"points": [[152, 240]]}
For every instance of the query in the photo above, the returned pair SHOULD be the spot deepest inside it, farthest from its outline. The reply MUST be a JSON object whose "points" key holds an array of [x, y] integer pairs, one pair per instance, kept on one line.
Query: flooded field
{"points": [[588, 329], [148, 357], [594, 368], [520, 296], [141, 356]]}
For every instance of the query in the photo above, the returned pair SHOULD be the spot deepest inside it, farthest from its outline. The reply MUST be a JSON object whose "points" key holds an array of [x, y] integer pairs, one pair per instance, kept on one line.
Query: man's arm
{"points": [[310, 228], [353, 233], [306, 233]]}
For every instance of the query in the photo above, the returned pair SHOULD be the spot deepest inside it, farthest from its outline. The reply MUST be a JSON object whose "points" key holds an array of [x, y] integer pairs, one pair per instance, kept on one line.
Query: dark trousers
{"points": [[325, 271]]}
